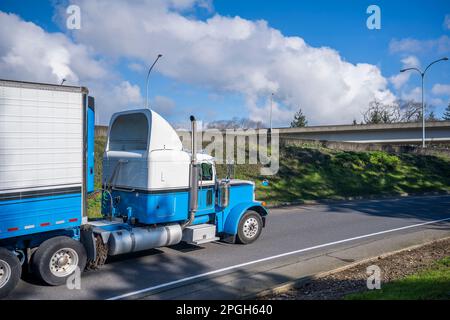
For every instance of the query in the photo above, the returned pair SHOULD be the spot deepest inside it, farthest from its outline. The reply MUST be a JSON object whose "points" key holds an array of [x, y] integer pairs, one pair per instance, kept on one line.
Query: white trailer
{"points": [[46, 171]]}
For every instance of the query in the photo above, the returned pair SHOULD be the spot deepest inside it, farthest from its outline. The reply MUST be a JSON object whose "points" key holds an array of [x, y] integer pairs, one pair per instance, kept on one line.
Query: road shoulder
{"points": [[345, 281], [255, 281]]}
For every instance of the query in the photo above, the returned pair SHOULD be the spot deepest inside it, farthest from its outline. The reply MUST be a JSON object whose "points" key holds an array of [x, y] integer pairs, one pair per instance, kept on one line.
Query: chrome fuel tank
{"points": [[139, 239]]}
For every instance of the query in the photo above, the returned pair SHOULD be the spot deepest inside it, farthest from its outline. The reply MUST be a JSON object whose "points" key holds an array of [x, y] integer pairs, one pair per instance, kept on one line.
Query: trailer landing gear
{"points": [[58, 258], [10, 272]]}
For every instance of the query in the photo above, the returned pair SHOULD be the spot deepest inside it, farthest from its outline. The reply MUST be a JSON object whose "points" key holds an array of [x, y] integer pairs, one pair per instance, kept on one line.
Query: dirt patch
{"points": [[393, 267]]}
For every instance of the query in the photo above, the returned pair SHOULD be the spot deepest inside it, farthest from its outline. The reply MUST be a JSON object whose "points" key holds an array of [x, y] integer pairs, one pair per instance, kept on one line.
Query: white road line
{"points": [[167, 284]]}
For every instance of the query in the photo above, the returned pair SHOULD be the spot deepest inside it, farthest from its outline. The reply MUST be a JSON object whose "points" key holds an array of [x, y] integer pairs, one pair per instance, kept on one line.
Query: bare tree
{"points": [[411, 110], [235, 123], [378, 112], [399, 111]]}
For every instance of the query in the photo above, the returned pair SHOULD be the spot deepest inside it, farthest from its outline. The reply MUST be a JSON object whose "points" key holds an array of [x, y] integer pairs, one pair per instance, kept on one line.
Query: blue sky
{"points": [[411, 32]]}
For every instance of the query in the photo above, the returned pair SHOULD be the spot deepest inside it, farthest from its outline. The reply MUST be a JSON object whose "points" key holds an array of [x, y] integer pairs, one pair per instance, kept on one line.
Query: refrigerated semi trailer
{"points": [[154, 193], [46, 171]]}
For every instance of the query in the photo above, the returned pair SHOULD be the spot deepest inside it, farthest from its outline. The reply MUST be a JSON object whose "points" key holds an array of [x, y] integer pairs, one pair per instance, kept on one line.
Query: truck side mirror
{"points": [[230, 169]]}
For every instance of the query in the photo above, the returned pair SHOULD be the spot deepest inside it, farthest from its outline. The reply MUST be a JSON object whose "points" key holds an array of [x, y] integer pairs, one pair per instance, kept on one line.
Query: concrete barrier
{"points": [[353, 146]]}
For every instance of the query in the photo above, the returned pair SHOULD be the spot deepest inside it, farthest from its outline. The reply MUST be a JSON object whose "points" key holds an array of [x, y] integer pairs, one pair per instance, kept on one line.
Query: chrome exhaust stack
{"points": [[193, 175]]}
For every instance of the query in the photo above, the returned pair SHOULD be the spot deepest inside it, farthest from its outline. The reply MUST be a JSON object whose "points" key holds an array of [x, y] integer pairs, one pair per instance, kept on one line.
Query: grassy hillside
{"points": [[99, 149], [310, 172], [94, 202]]}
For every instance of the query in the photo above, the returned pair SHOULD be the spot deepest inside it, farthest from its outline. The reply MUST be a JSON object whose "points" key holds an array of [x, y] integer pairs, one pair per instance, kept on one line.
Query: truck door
{"points": [[206, 189]]}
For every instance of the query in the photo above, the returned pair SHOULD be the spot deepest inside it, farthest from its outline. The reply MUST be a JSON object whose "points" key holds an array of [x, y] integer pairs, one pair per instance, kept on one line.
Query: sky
{"points": [[224, 58]]}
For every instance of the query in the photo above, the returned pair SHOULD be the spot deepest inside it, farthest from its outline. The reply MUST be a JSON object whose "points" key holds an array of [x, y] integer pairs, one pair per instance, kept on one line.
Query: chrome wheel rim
{"points": [[251, 227], [5, 273], [63, 262]]}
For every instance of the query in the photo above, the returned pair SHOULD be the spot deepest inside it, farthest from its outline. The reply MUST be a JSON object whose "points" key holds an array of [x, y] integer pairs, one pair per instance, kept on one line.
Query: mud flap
{"points": [[88, 241], [228, 238]]}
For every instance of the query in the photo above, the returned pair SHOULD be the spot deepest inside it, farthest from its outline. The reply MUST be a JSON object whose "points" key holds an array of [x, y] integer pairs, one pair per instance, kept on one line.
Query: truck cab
{"points": [[149, 177]]}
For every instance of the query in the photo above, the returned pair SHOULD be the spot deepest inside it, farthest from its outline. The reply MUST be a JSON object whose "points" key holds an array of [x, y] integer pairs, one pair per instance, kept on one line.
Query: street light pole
{"points": [[422, 75], [271, 103], [423, 112], [148, 76]]}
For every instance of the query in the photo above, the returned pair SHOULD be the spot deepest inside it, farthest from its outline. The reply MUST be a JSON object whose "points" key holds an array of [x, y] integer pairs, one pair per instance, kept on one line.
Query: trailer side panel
{"points": [[41, 157]]}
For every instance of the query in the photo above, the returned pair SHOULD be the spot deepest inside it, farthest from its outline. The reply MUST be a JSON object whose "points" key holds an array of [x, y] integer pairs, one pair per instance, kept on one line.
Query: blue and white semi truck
{"points": [[154, 193]]}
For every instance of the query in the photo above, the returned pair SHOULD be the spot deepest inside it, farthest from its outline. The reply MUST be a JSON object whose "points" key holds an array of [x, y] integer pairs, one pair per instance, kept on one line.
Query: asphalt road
{"points": [[290, 232]]}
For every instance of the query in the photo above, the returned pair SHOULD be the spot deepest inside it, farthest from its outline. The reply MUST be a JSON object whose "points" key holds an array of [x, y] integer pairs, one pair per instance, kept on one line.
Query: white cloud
{"points": [[440, 45], [232, 54], [28, 52], [189, 4], [405, 45], [163, 105], [441, 89], [436, 102], [114, 96], [32, 54], [432, 98], [415, 94], [128, 93], [400, 79], [447, 22], [411, 62], [136, 67], [221, 54], [126, 96]]}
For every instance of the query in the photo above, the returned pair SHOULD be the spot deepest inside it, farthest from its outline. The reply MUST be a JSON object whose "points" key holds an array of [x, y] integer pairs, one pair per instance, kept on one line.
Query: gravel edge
{"points": [[337, 283]]}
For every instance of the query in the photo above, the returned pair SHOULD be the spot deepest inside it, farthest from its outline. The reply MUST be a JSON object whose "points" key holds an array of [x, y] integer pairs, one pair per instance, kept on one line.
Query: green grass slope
{"points": [[311, 173]]}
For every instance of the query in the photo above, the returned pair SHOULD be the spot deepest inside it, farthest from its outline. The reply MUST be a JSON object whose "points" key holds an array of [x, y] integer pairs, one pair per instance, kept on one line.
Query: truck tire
{"points": [[10, 272], [57, 259], [249, 228]]}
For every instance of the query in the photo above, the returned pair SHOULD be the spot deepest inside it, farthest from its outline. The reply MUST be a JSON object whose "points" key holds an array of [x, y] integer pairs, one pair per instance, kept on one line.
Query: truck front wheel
{"points": [[57, 259], [249, 228], [10, 272]]}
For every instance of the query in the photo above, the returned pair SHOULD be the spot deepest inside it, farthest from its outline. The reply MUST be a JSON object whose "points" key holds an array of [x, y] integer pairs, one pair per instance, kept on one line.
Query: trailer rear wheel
{"points": [[57, 259], [249, 228], [10, 272]]}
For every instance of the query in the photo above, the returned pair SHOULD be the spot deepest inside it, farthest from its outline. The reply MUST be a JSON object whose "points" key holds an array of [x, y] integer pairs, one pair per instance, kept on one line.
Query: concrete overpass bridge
{"points": [[392, 133]]}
